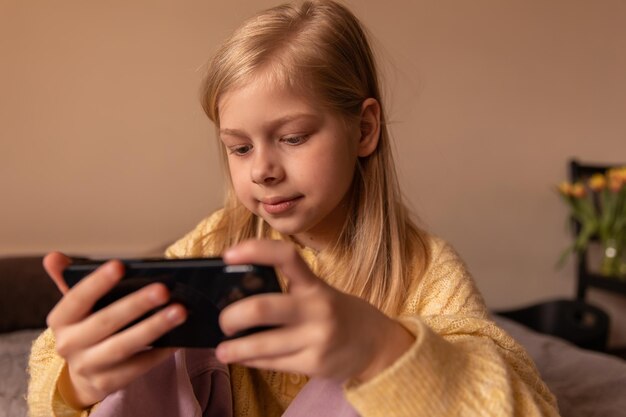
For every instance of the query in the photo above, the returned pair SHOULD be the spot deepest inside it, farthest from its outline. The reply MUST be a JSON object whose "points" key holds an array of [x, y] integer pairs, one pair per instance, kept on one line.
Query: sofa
{"points": [[585, 383], [26, 297]]}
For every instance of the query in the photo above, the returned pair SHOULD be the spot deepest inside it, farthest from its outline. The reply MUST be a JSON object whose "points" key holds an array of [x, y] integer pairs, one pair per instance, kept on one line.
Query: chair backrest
{"points": [[581, 172], [576, 321]]}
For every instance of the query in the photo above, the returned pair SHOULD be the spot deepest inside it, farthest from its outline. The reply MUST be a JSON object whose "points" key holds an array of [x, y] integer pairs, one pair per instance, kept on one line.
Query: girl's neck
{"points": [[315, 243]]}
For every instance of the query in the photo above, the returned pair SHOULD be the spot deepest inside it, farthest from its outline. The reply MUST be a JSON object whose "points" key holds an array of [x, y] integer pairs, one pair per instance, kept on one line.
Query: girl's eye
{"points": [[295, 140], [240, 150]]}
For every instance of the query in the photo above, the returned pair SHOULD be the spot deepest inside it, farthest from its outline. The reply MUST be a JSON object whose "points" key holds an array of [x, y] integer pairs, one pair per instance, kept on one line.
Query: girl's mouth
{"points": [[279, 205]]}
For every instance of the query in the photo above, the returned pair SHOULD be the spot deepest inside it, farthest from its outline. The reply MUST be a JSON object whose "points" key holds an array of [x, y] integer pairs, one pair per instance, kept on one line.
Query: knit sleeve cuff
{"points": [[45, 367], [59, 406], [423, 373]]}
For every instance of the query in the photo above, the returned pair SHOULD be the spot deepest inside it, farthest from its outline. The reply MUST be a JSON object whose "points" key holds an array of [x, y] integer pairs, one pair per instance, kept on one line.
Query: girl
{"points": [[384, 314]]}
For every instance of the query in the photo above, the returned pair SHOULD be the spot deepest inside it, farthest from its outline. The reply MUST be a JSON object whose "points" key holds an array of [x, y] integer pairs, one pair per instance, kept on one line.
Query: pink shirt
{"points": [[193, 383]]}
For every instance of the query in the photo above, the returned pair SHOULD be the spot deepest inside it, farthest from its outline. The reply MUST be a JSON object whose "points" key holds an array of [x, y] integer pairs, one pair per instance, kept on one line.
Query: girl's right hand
{"points": [[99, 359]]}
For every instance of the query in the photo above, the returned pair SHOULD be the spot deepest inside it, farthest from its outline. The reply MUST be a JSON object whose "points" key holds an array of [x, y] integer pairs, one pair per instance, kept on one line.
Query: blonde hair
{"points": [[320, 49]]}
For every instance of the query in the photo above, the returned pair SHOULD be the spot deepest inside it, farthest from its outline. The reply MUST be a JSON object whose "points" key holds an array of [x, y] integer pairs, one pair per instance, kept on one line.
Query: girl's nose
{"points": [[266, 170]]}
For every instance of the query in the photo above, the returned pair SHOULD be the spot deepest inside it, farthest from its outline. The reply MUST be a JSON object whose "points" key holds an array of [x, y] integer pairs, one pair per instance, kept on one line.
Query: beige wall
{"points": [[104, 149]]}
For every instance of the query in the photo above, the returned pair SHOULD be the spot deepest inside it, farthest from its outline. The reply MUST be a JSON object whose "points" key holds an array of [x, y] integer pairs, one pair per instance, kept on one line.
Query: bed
{"points": [[585, 383]]}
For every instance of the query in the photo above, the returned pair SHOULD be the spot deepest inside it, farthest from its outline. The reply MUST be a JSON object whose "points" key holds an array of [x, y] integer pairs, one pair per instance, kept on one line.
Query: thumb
{"points": [[280, 254], [54, 263]]}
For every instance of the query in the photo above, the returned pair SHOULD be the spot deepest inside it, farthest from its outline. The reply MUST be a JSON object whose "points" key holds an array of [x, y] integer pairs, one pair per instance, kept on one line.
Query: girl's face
{"points": [[291, 162]]}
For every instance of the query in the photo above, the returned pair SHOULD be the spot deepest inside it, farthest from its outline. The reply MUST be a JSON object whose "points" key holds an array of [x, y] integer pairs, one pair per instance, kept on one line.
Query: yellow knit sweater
{"points": [[461, 363]]}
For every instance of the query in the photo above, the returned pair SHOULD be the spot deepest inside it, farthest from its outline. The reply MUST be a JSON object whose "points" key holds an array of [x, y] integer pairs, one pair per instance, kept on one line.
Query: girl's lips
{"points": [[279, 206]]}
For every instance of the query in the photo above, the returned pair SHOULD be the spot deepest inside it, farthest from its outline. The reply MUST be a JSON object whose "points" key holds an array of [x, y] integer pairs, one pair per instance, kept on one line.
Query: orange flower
{"points": [[616, 178], [565, 188], [617, 173], [615, 184], [578, 190]]}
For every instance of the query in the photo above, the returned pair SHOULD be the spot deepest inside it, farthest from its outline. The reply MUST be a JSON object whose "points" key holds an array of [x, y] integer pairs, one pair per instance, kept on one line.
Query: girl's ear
{"points": [[370, 127]]}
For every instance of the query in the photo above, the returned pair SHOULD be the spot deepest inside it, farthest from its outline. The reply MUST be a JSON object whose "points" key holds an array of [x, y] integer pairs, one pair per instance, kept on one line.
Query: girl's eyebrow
{"points": [[275, 124], [233, 132], [272, 125]]}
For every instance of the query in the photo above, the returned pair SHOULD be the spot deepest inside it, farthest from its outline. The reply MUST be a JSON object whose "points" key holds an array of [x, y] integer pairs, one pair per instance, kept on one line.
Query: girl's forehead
{"points": [[261, 106], [261, 94]]}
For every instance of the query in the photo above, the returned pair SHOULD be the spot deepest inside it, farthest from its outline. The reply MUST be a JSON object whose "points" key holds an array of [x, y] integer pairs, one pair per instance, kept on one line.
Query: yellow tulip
{"points": [[597, 182]]}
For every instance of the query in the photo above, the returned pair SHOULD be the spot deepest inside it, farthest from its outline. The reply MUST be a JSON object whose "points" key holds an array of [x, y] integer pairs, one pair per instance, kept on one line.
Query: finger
{"points": [[304, 362], [141, 363], [54, 263], [299, 362], [121, 346], [118, 376], [77, 303], [272, 343], [114, 317], [259, 310], [282, 255], [281, 364]]}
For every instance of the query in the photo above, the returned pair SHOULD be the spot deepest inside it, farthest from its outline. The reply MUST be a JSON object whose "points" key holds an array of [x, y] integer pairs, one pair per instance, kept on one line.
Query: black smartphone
{"points": [[203, 285]]}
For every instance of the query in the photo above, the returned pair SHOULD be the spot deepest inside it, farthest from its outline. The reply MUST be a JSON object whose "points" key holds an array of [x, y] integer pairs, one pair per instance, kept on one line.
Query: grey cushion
{"points": [[585, 383], [14, 351]]}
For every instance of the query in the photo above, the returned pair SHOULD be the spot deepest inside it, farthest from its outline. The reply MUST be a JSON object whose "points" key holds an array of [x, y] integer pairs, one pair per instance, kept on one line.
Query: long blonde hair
{"points": [[320, 49]]}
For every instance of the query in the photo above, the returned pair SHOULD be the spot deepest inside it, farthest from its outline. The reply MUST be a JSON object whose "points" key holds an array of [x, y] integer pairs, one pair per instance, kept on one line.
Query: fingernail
{"points": [[221, 353], [156, 295], [228, 253], [111, 268], [175, 315]]}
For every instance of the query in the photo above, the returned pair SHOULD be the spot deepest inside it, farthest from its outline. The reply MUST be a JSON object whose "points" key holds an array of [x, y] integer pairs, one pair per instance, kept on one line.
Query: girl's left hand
{"points": [[322, 332]]}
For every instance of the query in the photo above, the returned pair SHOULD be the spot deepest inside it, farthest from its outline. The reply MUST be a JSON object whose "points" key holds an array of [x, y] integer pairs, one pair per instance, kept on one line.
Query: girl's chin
{"points": [[285, 226], [282, 227], [301, 235]]}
